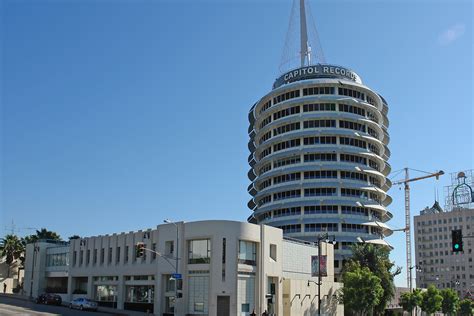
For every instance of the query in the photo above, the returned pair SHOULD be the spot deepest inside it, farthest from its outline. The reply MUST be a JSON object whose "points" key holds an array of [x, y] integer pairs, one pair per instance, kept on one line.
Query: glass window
{"points": [[247, 252], [199, 251], [198, 294]]}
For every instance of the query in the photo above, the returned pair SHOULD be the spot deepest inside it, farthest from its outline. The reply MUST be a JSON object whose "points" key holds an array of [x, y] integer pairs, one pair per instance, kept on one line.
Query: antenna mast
{"points": [[303, 35]]}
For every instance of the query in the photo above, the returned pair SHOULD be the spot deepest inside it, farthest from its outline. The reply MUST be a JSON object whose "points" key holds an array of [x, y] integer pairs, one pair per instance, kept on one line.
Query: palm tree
{"points": [[12, 248], [43, 233]]}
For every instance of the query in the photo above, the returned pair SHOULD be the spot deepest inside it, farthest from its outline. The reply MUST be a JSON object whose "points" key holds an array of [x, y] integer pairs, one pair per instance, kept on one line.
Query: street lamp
{"points": [[418, 269], [320, 238], [168, 221]]}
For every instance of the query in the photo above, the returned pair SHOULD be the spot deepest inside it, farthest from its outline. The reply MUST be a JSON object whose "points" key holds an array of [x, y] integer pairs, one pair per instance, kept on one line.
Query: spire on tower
{"points": [[297, 51]]}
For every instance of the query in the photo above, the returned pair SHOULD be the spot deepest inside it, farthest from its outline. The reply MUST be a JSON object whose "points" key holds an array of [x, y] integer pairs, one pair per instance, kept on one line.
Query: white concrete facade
{"points": [[227, 268], [319, 159]]}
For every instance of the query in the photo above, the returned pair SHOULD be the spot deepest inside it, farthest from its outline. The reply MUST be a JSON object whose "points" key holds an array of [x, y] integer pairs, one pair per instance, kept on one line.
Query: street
{"points": [[13, 306]]}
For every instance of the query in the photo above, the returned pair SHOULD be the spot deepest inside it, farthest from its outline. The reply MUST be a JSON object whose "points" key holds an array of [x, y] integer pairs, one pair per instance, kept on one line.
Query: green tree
{"points": [[410, 300], [362, 290], [450, 302], [376, 258], [74, 237], [43, 233], [431, 300], [11, 248], [466, 307]]}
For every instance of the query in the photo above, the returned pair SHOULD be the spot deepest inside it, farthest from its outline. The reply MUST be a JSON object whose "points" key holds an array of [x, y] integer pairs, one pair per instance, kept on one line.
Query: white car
{"points": [[83, 303]]}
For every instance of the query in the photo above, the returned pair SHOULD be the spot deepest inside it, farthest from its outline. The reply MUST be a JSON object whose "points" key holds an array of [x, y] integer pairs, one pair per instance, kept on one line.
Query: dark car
{"points": [[49, 299]]}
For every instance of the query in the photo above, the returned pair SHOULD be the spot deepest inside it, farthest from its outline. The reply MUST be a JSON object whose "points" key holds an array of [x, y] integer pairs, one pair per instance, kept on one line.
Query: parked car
{"points": [[83, 303], [49, 299]]}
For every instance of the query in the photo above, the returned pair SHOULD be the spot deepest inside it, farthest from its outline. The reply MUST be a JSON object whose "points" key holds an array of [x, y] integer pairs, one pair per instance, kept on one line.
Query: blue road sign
{"points": [[177, 276]]}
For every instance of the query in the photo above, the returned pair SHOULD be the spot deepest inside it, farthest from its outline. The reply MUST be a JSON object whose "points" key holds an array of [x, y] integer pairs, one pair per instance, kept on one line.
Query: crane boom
{"points": [[407, 229], [436, 174]]}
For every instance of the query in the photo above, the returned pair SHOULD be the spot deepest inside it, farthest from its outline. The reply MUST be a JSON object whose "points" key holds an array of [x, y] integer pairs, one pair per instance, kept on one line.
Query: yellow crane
{"points": [[406, 183]]}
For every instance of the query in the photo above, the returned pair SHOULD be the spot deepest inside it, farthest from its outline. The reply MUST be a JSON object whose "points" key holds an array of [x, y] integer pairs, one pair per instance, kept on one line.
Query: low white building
{"points": [[224, 268]]}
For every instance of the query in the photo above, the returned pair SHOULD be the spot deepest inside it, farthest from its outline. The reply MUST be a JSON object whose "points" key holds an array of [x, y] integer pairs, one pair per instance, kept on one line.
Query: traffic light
{"points": [[456, 239], [140, 249]]}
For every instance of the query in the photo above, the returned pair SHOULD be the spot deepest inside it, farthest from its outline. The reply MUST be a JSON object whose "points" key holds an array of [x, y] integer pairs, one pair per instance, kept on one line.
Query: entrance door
{"points": [[223, 305]]}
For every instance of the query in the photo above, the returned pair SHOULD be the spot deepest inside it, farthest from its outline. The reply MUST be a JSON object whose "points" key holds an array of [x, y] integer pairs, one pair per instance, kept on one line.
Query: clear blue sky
{"points": [[118, 114]]}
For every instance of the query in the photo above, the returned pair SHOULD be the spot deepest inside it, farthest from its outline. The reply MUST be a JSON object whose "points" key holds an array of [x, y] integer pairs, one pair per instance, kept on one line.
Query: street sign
{"points": [[177, 276]]}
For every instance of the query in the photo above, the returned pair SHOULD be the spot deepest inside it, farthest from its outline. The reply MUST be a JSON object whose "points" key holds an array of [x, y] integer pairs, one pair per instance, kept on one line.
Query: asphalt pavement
{"points": [[14, 306]]}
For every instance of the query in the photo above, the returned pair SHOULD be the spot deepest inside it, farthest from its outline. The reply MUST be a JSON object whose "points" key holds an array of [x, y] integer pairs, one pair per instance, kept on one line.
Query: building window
{"points": [[319, 107], [352, 125], [319, 123], [199, 251], [88, 256], [287, 178], [321, 227], [198, 294], [110, 255], [351, 109], [285, 145], [117, 255], [318, 90], [320, 209], [291, 211], [286, 128], [265, 168], [57, 260], [320, 174], [320, 157], [266, 106], [264, 200], [286, 161], [355, 228], [245, 294], [295, 228], [286, 96], [265, 137], [320, 192], [354, 210], [319, 140], [126, 253], [102, 256], [169, 248], [286, 112], [273, 252], [266, 121], [247, 252], [351, 93], [286, 195], [267, 151], [353, 158], [94, 259], [357, 176], [352, 142], [153, 254]]}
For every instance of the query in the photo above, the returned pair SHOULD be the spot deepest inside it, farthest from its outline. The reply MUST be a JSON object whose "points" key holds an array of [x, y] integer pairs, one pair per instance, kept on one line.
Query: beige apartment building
{"points": [[436, 262], [224, 268]]}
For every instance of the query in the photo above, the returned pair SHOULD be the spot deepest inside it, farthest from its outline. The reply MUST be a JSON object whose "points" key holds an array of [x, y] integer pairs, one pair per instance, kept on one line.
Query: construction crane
{"points": [[407, 228]]}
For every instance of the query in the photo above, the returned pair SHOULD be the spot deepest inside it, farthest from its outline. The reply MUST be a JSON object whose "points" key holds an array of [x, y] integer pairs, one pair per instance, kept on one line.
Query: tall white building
{"points": [[319, 150], [318, 158]]}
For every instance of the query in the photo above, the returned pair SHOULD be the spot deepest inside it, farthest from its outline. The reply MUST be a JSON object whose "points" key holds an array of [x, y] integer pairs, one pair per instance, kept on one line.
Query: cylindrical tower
{"points": [[318, 144]]}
